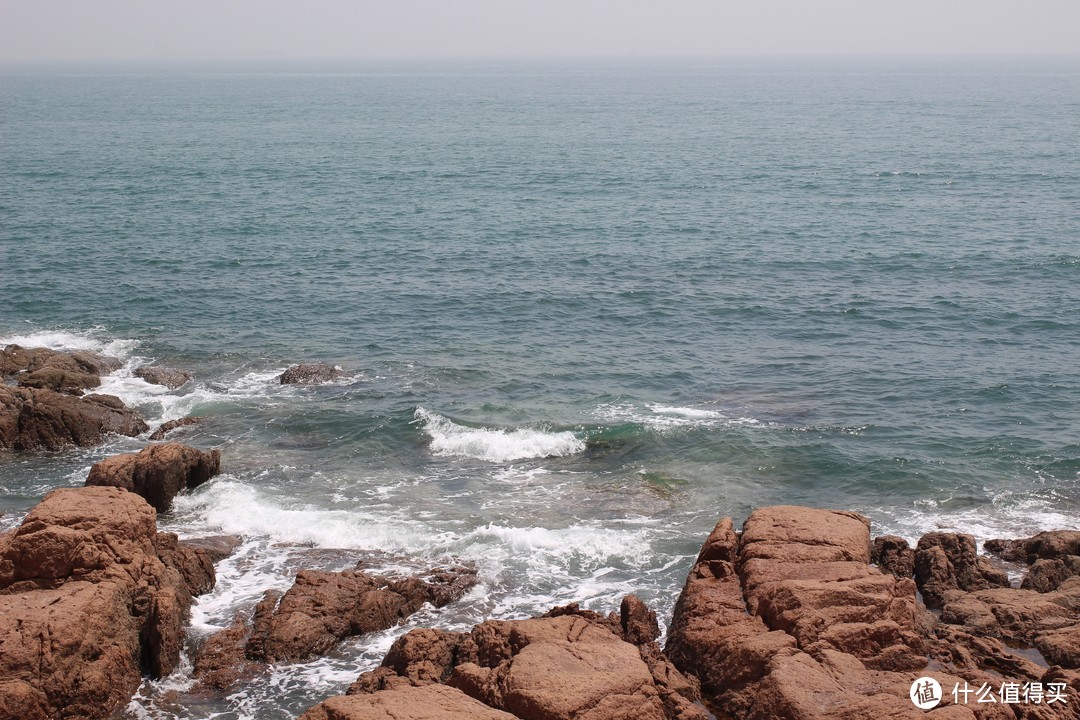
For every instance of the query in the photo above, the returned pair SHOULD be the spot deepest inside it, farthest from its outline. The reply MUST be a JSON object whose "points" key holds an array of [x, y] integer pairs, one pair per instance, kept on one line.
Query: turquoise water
{"points": [[586, 308]]}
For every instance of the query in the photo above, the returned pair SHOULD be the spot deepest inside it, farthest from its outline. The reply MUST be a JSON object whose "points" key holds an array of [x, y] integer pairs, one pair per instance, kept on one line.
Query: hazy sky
{"points": [[280, 29]]}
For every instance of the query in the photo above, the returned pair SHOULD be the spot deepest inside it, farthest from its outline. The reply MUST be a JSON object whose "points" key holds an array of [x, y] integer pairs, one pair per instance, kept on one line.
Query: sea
{"points": [[584, 309]]}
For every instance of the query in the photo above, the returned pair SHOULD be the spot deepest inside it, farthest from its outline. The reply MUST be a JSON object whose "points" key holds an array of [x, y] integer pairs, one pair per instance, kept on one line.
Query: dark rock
{"points": [[34, 419], [157, 472], [893, 555], [1047, 575], [946, 561], [195, 565], [65, 372], [166, 427], [310, 374], [168, 377], [1045, 545], [86, 603]]}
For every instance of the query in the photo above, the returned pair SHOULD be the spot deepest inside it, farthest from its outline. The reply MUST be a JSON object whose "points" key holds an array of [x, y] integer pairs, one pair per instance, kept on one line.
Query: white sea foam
{"points": [[72, 340], [495, 444], [668, 417]]}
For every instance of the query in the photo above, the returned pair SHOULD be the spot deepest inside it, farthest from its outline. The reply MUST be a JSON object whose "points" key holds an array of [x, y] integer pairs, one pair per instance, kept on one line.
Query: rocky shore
{"points": [[797, 613]]}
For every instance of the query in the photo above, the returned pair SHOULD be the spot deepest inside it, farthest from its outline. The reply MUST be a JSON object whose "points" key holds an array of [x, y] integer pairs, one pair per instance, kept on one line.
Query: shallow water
{"points": [[586, 310]]}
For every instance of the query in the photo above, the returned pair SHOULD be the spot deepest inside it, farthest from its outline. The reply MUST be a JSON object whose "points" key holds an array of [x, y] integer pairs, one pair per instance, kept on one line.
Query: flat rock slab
{"points": [[429, 702]]}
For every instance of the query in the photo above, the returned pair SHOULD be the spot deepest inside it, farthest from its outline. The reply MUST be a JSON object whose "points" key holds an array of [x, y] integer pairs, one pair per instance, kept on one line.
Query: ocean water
{"points": [[585, 308]]}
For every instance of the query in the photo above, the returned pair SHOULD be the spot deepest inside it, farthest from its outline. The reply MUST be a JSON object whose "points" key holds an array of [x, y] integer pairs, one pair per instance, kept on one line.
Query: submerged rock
{"points": [[37, 419], [166, 427], [167, 377], [87, 604], [310, 374], [157, 472]]}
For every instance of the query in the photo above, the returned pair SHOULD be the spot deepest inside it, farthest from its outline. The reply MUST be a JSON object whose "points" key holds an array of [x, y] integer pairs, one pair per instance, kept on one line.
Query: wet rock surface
{"points": [[310, 374], [166, 427], [167, 377], [88, 603], [39, 419], [157, 472], [66, 372], [320, 609]]}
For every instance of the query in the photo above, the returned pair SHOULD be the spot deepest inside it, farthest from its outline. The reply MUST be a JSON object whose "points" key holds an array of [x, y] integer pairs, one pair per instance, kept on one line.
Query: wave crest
{"points": [[495, 444]]}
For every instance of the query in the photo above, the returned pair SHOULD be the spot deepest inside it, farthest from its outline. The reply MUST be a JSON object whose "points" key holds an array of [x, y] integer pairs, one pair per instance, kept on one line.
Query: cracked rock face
{"points": [[90, 598], [570, 664], [789, 620]]}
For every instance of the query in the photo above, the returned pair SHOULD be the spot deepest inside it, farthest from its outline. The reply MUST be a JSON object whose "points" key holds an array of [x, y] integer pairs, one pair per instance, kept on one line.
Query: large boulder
{"points": [[310, 374], [38, 419], [157, 472], [87, 603], [65, 372], [947, 561], [566, 665]]}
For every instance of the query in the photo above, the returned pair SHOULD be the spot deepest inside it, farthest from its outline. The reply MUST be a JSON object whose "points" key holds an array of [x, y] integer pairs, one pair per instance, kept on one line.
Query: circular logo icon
{"points": [[926, 693]]}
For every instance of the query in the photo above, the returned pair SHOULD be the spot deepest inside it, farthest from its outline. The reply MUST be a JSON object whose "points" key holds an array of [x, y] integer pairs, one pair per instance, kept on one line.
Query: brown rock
{"points": [[320, 609], [216, 547], [638, 622], [894, 556], [221, 661], [712, 635], [310, 374], [85, 602], [430, 702], [157, 472], [168, 377], [569, 663], [195, 564], [166, 427], [1046, 545], [1047, 575], [945, 561], [819, 535], [1061, 647], [55, 370], [35, 419], [71, 382]]}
